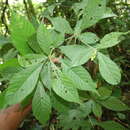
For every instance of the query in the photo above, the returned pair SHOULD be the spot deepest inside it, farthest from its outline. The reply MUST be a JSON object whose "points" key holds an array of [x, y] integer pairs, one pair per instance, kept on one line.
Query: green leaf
{"points": [[59, 104], [104, 93], [80, 77], [108, 13], [41, 105], [48, 39], [117, 92], [78, 6], [27, 100], [8, 72], [93, 12], [88, 38], [49, 10], [65, 89], [61, 25], [31, 59], [110, 40], [44, 38], [77, 29], [22, 84], [114, 104], [121, 116], [46, 76], [86, 107], [97, 109], [109, 70], [10, 54], [21, 30], [4, 40], [78, 54], [33, 43], [72, 120], [2, 100], [111, 125], [10, 63]]}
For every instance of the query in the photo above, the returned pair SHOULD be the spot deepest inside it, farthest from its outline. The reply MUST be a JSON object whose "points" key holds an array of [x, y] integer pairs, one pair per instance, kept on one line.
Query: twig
{"points": [[3, 17]]}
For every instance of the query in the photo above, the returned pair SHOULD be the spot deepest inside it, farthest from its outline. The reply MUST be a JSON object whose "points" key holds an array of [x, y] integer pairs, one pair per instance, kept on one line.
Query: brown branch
{"points": [[3, 16], [31, 8], [26, 8]]}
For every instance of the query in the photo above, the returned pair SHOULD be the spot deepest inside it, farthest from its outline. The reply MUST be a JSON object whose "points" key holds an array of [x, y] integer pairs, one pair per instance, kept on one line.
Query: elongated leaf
{"points": [[110, 40], [48, 39], [62, 25], [22, 84], [10, 63], [46, 76], [77, 29], [21, 30], [93, 12], [121, 116], [4, 40], [104, 93], [97, 109], [77, 7], [80, 6], [88, 38], [80, 77], [27, 100], [108, 13], [86, 107], [109, 70], [114, 104], [111, 125], [33, 43], [8, 71], [41, 104], [31, 59], [10, 54], [2, 100], [66, 90], [44, 39], [59, 104], [78, 54], [49, 10], [73, 120]]}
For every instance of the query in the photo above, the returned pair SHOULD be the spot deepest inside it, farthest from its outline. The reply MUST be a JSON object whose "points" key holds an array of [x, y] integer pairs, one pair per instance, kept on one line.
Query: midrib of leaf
{"points": [[80, 75], [14, 90], [82, 82], [110, 69], [41, 101], [106, 69], [83, 56], [21, 30]]}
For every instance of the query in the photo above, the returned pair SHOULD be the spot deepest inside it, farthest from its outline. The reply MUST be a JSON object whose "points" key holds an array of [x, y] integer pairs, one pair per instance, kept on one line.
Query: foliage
{"points": [[67, 62]]}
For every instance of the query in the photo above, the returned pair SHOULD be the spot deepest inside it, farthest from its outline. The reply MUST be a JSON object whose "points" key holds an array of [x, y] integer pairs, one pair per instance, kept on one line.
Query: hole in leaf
{"points": [[74, 118], [91, 18], [99, 5], [65, 91], [80, 10]]}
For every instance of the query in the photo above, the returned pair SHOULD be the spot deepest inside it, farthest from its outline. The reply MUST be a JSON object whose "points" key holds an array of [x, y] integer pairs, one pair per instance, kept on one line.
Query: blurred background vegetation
{"points": [[35, 10]]}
